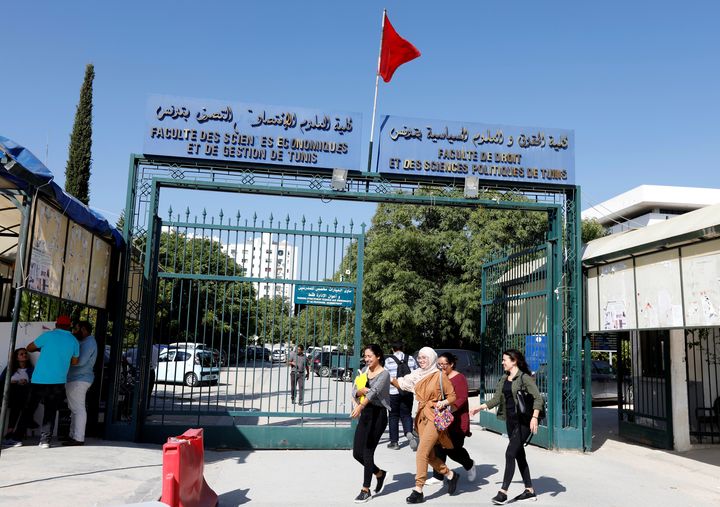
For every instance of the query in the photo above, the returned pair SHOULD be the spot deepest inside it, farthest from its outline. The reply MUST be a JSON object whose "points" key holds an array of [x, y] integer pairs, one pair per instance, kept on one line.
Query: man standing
{"points": [[58, 350], [79, 379], [299, 373], [401, 402]]}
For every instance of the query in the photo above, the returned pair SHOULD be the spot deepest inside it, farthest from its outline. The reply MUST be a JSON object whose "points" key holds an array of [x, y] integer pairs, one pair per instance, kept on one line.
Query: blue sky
{"points": [[636, 81]]}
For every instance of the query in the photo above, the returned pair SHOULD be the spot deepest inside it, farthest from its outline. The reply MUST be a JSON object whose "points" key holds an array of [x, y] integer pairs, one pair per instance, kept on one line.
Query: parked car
{"points": [[323, 363], [603, 380], [254, 353], [219, 355], [187, 365], [346, 374], [468, 363], [279, 356]]}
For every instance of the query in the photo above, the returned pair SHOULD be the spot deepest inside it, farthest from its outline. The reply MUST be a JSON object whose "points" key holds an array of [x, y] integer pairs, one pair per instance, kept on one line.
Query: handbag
{"points": [[525, 401], [443, 416]]}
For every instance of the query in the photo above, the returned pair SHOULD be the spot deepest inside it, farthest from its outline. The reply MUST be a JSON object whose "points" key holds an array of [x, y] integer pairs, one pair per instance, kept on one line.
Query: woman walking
{"points": [[425, 382], [371, 404], [517, 376], [20, 372], [460, 427]]}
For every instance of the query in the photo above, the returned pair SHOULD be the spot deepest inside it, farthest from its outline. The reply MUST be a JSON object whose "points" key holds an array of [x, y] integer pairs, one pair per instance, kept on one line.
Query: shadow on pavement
{"points": [[548, 486], [237, 497]]}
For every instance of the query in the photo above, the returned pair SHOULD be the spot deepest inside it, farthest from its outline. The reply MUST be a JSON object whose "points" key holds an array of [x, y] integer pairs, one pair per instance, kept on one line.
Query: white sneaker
{"points": [[44, 441], [432, 481], [472, 473]]}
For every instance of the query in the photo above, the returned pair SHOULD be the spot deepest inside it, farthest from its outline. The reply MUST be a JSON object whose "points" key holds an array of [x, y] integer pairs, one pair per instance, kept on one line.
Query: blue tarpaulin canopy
{"points": [[24, 169]]}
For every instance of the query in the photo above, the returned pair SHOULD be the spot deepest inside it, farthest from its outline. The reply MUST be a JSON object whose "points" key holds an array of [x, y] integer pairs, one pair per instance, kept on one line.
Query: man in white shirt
{"points": [[401, 402]]}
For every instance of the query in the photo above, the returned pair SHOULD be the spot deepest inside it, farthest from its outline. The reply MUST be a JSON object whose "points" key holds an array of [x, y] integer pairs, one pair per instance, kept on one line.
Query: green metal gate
{"points": [[645, 398], [529, 302], [516, 310], [155, 292], [220, 320]]}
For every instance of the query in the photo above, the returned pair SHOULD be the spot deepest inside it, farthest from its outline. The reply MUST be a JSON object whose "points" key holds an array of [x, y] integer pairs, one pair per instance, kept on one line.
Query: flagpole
{"points": [[377, 81]]}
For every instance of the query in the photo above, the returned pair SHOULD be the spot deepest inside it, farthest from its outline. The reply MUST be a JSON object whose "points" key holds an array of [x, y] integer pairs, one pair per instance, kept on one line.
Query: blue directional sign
{"points": [[420, 148], [257, 133], [324, 296], [536, 346]]}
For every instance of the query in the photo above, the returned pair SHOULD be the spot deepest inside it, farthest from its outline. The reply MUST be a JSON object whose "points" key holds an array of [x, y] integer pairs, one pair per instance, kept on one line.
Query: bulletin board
{"points": [[593, 315], [701, 283], [77, 264], [99, 273], [47, 250], [659, 293], [617, 296]]}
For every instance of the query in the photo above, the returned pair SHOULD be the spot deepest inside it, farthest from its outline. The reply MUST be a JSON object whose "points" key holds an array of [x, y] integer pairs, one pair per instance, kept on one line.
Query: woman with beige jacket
{"points": [[425, 383]]}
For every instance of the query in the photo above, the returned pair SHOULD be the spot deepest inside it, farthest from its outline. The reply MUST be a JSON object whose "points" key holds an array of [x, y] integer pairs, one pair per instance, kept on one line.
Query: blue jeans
{"points": [[400, 410]]}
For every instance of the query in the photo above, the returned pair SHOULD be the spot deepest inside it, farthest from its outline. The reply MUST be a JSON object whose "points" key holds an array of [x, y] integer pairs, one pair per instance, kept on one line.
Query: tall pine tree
{"points": [[77, 172]]}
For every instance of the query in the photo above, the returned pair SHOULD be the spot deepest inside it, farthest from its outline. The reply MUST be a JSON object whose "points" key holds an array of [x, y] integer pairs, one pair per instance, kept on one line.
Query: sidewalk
{"points": [[110, 473]]}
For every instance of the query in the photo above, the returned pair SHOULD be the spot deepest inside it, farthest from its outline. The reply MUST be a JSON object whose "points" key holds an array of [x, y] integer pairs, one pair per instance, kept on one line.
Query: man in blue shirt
{"points": [[79, 379], [58, 350]]}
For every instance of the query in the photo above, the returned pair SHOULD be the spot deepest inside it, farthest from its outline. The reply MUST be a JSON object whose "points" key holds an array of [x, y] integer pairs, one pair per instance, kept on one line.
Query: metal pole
{"points": [[377, 81], [19, 266]]}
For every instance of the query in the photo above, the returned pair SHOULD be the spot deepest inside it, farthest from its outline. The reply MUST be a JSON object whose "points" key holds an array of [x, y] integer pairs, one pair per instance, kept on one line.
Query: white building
{"points": [[649, 204], [655, 291], [267, 256]]}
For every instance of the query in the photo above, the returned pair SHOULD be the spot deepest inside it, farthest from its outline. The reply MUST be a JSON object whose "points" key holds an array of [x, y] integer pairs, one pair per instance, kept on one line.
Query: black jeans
{"points": [[515, 451], [400, 411], [18, 405], [52, 397], [371, 425], [458, 453]]}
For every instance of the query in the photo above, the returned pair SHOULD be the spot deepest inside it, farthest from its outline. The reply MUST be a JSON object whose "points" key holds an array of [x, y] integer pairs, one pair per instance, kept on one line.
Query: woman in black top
{"points": [[517, 376]]}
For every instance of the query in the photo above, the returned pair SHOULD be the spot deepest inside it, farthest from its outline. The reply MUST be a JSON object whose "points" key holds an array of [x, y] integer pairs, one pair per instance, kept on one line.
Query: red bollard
{"points": [[183, 483]]}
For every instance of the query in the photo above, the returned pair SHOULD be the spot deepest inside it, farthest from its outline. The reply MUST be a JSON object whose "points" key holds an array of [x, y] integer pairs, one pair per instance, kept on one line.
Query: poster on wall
{"points": [[47, 250], [77, 264], [593, 317], [99, 273], [659, 298], [701, 283], [617, 296]]}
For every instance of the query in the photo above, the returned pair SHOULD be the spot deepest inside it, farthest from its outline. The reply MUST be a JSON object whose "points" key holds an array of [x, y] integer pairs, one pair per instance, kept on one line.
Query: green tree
{"points": [[592, 229], [423, 268], [218, 313], [77, 171]]}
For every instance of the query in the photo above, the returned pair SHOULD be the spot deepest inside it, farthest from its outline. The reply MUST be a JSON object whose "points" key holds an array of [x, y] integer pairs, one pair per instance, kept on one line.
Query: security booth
{"points": [[207, 298], [654, 293], [57, 256]]}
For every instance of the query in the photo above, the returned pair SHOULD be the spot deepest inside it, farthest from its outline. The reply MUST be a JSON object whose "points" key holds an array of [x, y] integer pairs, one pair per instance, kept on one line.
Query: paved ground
{"points": [[616, 473]]}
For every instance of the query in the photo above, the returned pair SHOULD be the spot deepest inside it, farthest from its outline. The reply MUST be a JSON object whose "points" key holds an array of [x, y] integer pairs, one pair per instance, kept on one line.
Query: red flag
{"points": [[394, 51]]}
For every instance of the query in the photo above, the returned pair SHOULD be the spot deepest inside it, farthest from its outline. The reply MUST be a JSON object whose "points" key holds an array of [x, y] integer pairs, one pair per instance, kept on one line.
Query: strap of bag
{"points": [[442, 392]]}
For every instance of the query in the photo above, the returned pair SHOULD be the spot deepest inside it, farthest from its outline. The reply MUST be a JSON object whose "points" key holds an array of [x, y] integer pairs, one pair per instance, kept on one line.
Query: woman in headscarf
{"points": [[425, 383]]}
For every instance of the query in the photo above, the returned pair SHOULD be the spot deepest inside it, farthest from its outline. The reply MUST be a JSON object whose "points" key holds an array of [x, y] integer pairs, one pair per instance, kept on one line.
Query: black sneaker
{"points": [[380, 482], [500, 498], [452, 483], [415, 497], [526, 495], [394, 446], [72, 442], [363, 497]]}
